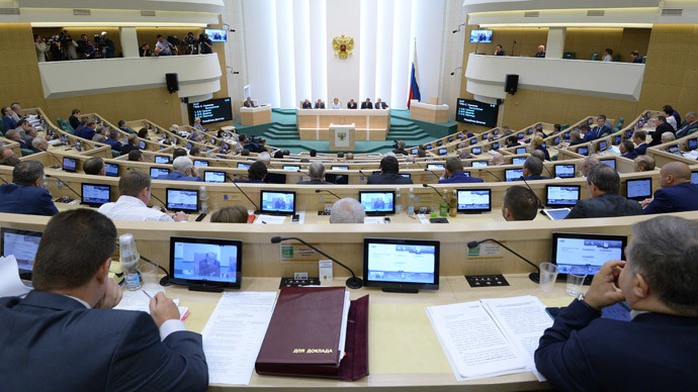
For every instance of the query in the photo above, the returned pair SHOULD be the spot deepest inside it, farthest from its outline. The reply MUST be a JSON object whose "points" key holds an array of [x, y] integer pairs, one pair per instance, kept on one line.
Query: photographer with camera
{"points": [[105, 45], [86, 47], [192, 44], [206, 44]]}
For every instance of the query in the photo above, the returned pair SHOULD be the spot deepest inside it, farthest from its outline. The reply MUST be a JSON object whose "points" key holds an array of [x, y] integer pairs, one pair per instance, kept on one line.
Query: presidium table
{"points": [[365, 124]]}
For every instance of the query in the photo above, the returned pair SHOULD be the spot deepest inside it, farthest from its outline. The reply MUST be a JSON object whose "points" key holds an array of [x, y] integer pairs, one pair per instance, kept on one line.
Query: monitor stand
{"points": [[400, 290]]}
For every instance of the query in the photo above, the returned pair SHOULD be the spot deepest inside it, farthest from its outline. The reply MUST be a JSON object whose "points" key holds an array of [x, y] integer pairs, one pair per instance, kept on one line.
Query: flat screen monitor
{"points": [[495, 131], [429, 146], [275, 178], [341, 167], [189, 146], [211, 111], [628, 133], [617, 139], [473, 141], [479, 163], [443, 151], [520, 150], [213, 262], [566, 135], [450, 139], [694, 177], [529, 131], [401, 265], [556, 140], [513, 174], [156, 172], [520, 135], [94, 195], [186, 200], [474, 200], [476, 150], [23, 244], [583, 150], [243, 165], [377, 202], [142, 145], [603, 145], [638, 188], [585, 253], [291, 167], [564, 170], [476, 112], [111, 169], [562, 195], [278, 202], [70, 164], [673, 149], [590, 120], [414, 151], [406, 175], [609, 162], [440, 143], [436, 166], [339, 179], [518, 160], [481, 36], [692, 144], [217, 35], [495, 146], [214, 176], [200, 163]]}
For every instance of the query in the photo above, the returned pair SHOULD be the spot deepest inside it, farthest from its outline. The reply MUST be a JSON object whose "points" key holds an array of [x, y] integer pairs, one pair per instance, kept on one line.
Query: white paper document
{"points": [[270, 219], [374, 220], [139, 300], [10, 283], [233, 335], [490, 337]]}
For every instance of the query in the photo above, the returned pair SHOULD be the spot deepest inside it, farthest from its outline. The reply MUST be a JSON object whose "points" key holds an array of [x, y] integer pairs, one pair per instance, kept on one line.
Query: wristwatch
{"points": [[581, 297]]}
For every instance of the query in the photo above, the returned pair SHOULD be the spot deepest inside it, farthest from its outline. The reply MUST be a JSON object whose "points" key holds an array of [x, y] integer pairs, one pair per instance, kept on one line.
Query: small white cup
{"points": [[575, 280], [548, 276]]}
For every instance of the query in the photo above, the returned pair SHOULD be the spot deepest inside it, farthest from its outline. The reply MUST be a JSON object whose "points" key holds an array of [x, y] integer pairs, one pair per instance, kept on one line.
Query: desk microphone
{"points": [[52, 155], [479, 172], [433, 173], [301, 172], [256, 211], [353, 283], [534, 276], [327, 191], [363, 174], [64, 183], [164, 206], [540, 202], [437, 191]]}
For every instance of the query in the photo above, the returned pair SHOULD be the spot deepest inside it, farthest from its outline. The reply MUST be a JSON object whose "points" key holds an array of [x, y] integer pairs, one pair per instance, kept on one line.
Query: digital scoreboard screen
{"points": [[476, 112], [211, 111]]}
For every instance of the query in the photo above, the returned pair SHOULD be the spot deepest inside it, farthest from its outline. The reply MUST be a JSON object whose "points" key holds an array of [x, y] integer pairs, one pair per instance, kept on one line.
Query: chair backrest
{"points": [[595, 56]]}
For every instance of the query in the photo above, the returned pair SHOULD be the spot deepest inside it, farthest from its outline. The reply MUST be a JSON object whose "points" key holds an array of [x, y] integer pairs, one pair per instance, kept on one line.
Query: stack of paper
{"points": [[10, 283]]}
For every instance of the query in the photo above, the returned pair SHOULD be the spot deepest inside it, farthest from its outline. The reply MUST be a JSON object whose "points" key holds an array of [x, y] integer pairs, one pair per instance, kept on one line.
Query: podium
{"points": [[428, 112], [255, 116], [342, 137]]}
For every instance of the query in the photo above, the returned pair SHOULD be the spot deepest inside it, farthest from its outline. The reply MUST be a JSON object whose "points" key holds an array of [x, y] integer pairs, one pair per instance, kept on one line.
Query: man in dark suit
{"points": [[367, 104], [389, 174], [319, 104], [639, 138], [380, 104], [65, 336], [532, 169], [657, 349], [603, 184], [307, 104], [26, 195], [249, 103], [662, 126], [600, 130], [519, 203], [351, 104], [627, 149], [316, 172], [689, 126], [677, 193], [454, 173], [575, 139]]}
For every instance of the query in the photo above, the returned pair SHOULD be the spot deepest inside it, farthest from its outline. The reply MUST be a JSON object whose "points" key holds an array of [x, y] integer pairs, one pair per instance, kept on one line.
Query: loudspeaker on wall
{"points": [[511, 84], [172, 82]]}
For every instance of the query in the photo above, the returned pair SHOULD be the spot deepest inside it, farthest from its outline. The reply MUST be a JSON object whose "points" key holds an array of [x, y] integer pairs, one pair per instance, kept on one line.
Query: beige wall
{"points": [[21, 82]]}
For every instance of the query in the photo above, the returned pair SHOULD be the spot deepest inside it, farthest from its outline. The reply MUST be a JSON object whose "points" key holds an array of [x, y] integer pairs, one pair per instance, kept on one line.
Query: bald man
{"points": [[677, 193]]}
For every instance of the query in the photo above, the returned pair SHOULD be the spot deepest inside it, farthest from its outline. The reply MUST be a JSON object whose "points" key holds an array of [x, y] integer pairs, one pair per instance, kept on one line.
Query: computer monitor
{"points": [[213, 262], [443, 151], [473, 141], [584, 150], [567, 135], [189, 146], [476, 150], [518, 160], [243, 165], [339, 179], [200, 163], [414, 151], [70, 164], [291, 167], [603, 145], [94, 195], [406, 175], [585, 253], [479, 163], [529, 131], [474, 200], [638, 188], [156, 172], [440, 143], [556, 140], [694, 177], [278, 202], [436, 166], [275, 178], [377, 202], [564, 170], [590, 120], [628, 133], [142, 145], [513, 174], [429, 147], [214, 176], [495, 131], [617, 139], [401, 265], [495, 146], [450, 139], [23, 244], [609, 162], [673, 149], [520, 135], [558, 196], [343, 168], [186, 200], [520, 150], [111, 169], [692, 144]]}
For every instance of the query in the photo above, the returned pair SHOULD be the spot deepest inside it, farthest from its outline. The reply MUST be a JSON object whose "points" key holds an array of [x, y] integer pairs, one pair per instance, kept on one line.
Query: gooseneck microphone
{"points": [[540, 202], [433, 173], [437, 191], [327, 191], [164, 206], [353, 283], [480, 171], [64, 183], [257, 209], [363, 174], [534, 276]]}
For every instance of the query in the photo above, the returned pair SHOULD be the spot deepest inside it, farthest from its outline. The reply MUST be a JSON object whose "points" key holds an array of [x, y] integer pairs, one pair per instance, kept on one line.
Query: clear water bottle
{"points": [[203, 198], [410, 202], [129, 257], [78, 145], [398, 201]]}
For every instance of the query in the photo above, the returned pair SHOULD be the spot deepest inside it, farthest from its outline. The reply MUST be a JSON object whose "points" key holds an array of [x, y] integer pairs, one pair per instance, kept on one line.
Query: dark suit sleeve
{"points": [[560, 356], [661, 203], [141, 362], [47, 207], [577, 211]]}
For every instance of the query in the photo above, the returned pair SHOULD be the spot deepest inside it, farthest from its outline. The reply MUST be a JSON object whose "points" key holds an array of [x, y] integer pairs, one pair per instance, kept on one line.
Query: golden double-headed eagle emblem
{"points": [[343, 46]]}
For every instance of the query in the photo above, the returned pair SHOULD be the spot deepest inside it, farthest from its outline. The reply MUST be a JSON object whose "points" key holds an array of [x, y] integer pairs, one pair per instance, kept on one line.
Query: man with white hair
{"points": [[183, 170], [316, 172], [265, 158], [347, 210]]}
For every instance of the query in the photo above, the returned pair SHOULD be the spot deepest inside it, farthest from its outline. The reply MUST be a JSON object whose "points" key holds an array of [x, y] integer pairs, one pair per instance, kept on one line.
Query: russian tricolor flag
{"points": [[414, 80]]}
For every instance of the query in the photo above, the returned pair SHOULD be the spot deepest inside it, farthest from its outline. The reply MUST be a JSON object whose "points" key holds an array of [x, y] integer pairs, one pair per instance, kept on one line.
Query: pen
{"points": [[146, 293], [264, 222]]}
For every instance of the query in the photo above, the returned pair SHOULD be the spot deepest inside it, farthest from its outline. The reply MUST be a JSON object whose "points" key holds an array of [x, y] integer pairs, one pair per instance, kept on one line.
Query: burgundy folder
{"points": [[303, 336]]}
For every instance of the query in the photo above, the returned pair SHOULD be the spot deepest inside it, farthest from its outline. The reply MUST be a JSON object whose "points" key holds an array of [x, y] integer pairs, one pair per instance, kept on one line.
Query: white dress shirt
{"points": [[129, 208]]}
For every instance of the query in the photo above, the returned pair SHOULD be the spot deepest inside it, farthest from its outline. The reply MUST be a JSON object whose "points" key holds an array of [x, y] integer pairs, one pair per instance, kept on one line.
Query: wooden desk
{"points": [[371, 124], [428, 112], [255, 116], [404, 352]]}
